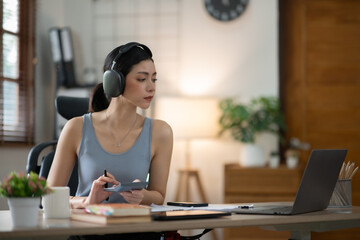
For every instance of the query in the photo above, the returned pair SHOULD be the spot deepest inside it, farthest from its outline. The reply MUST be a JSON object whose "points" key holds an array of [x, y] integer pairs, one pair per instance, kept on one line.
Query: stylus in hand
{"points": [[106, 184]]}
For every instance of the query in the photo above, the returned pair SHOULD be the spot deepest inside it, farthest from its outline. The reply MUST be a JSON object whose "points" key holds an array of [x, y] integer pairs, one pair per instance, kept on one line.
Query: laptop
{"points": [[316, 186]]}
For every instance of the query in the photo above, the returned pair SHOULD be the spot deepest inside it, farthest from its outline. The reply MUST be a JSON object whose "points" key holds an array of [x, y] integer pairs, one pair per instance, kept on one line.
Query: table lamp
{"points": [[190, 118]]}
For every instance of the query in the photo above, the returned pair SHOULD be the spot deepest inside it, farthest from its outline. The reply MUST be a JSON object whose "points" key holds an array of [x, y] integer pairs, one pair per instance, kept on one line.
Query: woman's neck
{"points": [[120, 113]]}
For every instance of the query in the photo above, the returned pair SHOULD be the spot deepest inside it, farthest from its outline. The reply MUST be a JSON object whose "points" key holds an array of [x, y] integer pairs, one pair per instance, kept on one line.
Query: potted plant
{"points": [[244, 121], [23, 193]]}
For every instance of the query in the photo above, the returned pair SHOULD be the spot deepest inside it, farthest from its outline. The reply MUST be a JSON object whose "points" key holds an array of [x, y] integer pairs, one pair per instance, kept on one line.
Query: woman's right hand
{"points": [[97, 193]]}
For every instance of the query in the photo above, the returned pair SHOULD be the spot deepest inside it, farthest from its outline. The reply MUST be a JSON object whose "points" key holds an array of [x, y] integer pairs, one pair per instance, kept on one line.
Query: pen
{"points": [[106, 185]]}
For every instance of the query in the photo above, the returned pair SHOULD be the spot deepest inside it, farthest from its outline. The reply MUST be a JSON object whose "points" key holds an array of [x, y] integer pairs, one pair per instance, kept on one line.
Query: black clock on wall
{"points": [[225, 10]]}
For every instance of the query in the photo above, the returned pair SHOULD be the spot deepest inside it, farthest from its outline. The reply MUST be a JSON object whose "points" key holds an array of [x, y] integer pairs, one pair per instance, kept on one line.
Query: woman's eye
{"points": [[154, 80], [141, 79]]}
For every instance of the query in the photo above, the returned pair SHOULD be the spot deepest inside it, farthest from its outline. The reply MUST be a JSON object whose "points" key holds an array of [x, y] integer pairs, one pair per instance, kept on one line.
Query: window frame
{"points": [[24, 134]]}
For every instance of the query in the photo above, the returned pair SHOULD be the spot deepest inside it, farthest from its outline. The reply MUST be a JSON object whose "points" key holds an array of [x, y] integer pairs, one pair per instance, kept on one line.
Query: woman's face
{"points": [[140, 84]]}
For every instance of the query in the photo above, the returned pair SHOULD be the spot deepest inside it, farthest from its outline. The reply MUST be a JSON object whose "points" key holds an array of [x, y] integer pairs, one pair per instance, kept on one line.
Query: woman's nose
{"points": [[150, 86]]}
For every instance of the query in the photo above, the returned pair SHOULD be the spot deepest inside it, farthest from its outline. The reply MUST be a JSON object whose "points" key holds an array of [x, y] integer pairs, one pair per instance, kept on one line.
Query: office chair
{"points": [[67, 107]]}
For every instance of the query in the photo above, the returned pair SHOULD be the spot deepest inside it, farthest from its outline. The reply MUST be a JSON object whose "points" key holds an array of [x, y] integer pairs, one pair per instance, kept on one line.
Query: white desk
{"points": [[299, 225]]}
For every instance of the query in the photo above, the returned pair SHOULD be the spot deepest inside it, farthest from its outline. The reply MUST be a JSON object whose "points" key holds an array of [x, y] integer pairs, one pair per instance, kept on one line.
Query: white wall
{"points": [[227, 59], [211, 59]]}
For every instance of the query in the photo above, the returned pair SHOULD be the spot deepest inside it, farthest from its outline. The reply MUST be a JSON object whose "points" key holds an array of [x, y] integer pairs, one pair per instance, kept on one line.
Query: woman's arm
{"points": [[66, 153], [162, 145]]}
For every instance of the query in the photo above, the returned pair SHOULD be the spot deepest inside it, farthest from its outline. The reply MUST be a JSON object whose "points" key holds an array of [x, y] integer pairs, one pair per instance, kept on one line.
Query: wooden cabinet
{"points": [[250, 185]]}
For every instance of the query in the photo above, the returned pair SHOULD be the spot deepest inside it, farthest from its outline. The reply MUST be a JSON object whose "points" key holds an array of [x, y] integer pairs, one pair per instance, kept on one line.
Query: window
{"points": [[16, 70]]}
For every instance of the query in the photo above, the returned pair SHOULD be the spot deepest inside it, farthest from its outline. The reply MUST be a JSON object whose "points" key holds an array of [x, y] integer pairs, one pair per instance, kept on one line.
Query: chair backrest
{"points": [[67, 107]]}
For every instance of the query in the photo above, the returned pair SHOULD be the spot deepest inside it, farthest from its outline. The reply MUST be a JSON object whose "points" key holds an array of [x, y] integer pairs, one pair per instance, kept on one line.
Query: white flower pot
{"points": [[252, 155], [24, 211]]}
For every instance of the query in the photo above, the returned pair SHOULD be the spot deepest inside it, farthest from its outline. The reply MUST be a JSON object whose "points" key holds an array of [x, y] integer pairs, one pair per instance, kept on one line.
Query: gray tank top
{"points": [[126, 167]]}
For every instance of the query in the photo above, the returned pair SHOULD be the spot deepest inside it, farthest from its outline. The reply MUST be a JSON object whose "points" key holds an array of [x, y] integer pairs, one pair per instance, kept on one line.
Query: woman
{"points": [[115, 138]]}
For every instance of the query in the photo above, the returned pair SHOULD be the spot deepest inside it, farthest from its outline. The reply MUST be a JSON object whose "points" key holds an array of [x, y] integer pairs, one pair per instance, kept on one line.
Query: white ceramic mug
{"points": [[57, 203]]}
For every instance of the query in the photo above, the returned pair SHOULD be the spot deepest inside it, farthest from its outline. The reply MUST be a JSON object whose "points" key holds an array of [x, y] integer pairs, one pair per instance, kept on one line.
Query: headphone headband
{"points": [[125, 48]]}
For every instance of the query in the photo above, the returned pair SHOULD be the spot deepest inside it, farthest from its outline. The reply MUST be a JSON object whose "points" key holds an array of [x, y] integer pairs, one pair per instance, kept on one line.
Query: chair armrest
{"points": [[33, 156]]}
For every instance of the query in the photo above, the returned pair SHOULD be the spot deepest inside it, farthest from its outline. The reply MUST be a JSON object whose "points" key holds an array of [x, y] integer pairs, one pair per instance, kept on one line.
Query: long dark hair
{"points": [[98, 99]]}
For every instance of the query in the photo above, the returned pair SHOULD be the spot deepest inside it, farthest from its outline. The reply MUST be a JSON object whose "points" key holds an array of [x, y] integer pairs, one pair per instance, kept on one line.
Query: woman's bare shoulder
{"points": [[75, 123], [73, 127], [162, 129], [70, 135]]}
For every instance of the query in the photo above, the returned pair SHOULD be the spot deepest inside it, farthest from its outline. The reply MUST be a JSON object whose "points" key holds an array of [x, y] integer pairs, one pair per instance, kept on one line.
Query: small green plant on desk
{"points": [[21, 185]]}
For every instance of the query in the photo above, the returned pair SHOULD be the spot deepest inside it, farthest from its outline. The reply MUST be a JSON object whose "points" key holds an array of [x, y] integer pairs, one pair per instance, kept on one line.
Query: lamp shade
{"points": [[189, 117]]}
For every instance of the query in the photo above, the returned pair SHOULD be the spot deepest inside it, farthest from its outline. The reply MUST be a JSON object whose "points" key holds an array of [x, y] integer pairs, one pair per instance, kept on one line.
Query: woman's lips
{"points": [[149, 98]]}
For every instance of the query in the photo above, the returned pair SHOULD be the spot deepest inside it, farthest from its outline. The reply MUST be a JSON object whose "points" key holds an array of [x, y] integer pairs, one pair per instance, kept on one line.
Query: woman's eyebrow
{"points": [[146, 73]]}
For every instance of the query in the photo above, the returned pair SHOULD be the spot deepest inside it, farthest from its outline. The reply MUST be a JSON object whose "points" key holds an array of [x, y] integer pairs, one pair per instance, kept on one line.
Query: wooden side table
{"points": [[185, 176], [250, 185]]}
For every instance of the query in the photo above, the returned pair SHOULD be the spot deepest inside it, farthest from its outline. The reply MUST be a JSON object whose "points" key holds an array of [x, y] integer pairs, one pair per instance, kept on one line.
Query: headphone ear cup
{"points": [[113, 83]]}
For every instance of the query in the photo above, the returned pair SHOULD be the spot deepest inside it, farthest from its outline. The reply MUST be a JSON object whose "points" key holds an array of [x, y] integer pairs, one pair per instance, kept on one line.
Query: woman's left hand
{"points": [[133, 196]]}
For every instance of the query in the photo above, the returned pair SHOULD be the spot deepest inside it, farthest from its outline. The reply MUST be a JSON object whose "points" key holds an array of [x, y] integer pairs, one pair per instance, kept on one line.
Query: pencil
{"points": [[348, 170]]}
